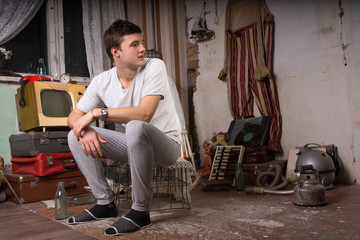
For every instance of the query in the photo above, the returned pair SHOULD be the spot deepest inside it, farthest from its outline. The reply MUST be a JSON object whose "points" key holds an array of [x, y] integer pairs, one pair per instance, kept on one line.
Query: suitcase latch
{"points": [[35, 183], [63, 141], [50, 160], [45, 140]]}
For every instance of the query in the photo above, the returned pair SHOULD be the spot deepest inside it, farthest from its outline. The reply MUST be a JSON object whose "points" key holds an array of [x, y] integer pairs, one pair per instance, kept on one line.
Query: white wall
{"points": [[212, 113], [318, 93]]}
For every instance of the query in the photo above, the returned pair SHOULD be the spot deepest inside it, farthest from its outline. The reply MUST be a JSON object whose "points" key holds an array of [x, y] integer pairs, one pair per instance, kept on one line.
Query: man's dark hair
{"points": [[113, 35]]}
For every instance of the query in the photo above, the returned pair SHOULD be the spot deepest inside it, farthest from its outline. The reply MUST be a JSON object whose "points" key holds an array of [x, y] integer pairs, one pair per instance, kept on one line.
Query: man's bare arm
{"points": [[144, 112], [75, 115], [89, 139]]}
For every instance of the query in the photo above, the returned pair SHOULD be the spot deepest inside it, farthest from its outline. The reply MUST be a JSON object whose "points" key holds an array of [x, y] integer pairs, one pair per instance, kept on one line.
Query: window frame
{"points": [[55, 37], [56, 46]]}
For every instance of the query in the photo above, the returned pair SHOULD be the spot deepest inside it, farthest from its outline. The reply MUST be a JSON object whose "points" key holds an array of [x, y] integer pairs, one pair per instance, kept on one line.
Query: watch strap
{"points": [[104, 114]]}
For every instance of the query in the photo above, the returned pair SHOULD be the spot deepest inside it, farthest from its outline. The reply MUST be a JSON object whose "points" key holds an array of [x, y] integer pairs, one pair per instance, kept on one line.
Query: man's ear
{"points": [[115, 52]]}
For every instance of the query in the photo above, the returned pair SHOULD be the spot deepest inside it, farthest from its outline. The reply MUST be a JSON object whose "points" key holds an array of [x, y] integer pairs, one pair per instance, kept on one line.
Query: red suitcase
{"points": [[44, 164]]}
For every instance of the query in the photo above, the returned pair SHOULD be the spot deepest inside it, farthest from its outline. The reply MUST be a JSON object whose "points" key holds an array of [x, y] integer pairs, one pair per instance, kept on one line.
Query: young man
{"points": [[136, 94]]}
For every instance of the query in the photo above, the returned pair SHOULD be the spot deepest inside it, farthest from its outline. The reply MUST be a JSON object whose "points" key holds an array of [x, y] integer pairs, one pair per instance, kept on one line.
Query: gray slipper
{"points": [[122, 226], [83, 217]]}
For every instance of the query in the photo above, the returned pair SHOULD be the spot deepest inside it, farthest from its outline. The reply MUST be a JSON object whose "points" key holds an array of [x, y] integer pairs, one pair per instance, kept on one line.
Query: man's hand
{"points": [[90, 142], [87, 136], [82, 123]]}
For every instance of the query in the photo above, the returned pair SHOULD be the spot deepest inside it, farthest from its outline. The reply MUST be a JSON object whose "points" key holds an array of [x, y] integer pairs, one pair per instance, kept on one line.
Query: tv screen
{"points": [[56, 103]]}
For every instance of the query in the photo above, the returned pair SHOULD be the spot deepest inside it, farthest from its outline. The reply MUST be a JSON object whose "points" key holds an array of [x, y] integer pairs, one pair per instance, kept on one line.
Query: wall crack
{"points": [[343, 45]]}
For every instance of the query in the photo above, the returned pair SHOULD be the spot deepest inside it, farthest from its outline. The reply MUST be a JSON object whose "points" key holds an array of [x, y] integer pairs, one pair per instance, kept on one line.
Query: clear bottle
{"points": [[80, 200], [61, 202], [239, 178], [30, 68], [41, 69]]}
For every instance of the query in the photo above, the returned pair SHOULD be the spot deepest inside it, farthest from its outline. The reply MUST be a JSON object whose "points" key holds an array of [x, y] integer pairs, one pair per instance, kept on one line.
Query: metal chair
{"points": [[171, 184]]}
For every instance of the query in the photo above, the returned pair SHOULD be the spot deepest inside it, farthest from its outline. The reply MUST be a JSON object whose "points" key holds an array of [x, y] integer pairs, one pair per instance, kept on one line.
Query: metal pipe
{"points": [[279, 192], [261, 190]]}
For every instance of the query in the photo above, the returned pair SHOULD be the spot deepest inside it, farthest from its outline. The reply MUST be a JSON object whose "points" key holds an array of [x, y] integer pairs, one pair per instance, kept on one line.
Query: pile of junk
{"points": [[315, 172]]}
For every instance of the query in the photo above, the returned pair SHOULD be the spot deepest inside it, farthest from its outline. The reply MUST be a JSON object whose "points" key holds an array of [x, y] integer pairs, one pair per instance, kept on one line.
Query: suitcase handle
{"points": [[73, 166], [71, 184]]}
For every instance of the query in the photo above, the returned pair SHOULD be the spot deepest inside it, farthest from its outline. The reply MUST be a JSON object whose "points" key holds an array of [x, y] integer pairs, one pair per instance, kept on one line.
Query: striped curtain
{"points": [[243, 89]]}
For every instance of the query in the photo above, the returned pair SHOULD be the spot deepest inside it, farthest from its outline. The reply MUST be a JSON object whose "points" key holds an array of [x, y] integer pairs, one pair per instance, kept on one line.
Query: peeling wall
{"points": [[351, 51], [212, 113], [316, 68]]}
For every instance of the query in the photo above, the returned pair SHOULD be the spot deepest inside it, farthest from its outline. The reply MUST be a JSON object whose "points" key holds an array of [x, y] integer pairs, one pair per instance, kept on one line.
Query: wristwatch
{"points": [[104, 113]]}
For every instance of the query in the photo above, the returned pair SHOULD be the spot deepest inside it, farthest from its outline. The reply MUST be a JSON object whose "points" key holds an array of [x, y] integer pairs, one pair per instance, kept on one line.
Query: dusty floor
{"points": [[236, 215]]}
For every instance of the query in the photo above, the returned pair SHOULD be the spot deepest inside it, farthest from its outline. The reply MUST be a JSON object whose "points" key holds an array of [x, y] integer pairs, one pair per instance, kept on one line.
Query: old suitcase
{"points": [[44, 164], [258, 155], [32, 143], [30, 188], [251, 171]]}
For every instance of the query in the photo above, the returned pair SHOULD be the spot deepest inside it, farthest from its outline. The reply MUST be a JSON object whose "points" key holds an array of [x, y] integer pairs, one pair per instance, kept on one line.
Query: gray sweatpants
{"points": [[141, 146]]}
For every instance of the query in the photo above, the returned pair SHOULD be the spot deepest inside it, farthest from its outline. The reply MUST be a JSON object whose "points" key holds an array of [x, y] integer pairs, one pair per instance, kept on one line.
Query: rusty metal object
{"points": [[309, 192]]}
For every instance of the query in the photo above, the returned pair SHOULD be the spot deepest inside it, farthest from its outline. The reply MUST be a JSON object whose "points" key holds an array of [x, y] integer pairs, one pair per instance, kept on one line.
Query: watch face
{"points": [[65, 78]]}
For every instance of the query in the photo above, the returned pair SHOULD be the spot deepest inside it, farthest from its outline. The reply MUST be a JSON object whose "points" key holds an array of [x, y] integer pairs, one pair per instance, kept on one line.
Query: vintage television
{"points": [[46, 104]]}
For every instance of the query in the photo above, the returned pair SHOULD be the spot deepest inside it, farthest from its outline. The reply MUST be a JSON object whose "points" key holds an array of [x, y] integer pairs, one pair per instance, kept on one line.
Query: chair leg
{"points": [[185, 148], [198, 177]]}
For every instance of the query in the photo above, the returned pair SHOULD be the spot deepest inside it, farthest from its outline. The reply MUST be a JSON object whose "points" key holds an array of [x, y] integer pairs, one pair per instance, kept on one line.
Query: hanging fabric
{"points": [[97, 17], [15, 15], [248, 60]]}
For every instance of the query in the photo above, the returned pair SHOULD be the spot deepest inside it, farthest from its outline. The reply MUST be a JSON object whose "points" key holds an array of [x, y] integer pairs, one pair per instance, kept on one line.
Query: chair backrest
{"points": [[174, 92], [186, 151], [152, 53]]}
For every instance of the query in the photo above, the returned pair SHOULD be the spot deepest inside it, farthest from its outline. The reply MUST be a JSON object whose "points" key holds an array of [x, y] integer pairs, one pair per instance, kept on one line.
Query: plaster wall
{"points": [[8, 119], [316, 66], [212, 112]]}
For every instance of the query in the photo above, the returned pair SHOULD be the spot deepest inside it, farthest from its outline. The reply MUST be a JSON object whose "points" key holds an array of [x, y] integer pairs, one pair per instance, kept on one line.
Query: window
{"points": [[29, 45], [75, 55], [55, 34]]}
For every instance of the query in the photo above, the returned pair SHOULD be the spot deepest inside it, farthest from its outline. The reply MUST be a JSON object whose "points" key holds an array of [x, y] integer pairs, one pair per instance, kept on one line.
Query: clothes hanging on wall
{"points": [[248, 60]]}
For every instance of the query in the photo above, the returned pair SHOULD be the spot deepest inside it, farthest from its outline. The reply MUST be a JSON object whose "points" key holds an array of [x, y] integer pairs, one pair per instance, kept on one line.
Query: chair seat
{"points": [[174, 181]]}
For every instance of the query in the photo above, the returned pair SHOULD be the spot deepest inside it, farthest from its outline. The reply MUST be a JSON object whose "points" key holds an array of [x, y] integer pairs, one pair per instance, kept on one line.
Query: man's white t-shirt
{"points": [[106, 90]]}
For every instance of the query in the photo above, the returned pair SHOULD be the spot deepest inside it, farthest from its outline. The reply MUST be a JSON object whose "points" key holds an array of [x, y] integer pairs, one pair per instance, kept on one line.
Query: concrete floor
{"points": [[237, 215]]}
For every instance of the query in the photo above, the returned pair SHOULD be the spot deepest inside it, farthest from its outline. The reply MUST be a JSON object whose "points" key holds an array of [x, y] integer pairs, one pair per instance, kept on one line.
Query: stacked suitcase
{"points": [[41, 153], [39, 160], [32, 188]]}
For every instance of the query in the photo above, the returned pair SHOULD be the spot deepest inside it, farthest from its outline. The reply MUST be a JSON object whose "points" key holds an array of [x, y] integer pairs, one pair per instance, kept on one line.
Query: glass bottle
{"points": [[30, 68], [61, 202], [41, 69], [239, 178], [82, 199]]}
